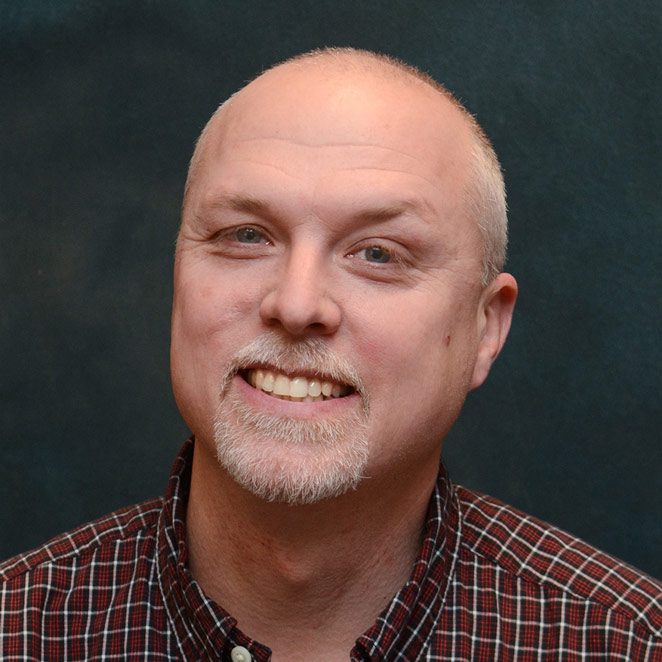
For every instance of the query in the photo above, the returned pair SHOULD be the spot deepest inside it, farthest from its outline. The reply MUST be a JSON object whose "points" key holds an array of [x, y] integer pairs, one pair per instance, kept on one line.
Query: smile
{"points": [[296, 388]]}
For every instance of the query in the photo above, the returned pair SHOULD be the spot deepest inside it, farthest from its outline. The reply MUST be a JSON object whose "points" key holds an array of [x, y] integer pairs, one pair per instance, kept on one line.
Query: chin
{"points": [[291, 461]]}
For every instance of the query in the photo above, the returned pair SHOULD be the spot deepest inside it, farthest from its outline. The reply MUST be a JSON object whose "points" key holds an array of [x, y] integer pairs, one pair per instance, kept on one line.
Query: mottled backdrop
{"points": [[101, 104]]}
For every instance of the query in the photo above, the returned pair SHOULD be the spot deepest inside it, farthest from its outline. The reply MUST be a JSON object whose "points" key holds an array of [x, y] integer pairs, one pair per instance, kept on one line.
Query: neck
{"points": [[317, 575]]}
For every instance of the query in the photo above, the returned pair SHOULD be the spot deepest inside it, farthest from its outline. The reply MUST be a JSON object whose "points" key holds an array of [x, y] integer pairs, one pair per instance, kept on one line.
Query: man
{"points": [[338, 291]]}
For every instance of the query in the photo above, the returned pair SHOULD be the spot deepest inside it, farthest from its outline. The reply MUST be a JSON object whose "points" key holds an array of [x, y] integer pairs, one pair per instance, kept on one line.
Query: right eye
{"points": [[241, 242], [247, 235]]}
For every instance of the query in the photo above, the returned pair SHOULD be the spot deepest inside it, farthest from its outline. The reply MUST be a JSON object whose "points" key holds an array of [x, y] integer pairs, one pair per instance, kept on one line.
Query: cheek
{"points": [[206, 308], [210, 322], [400, 333], [399, 353], [208, 303], [416, 350]]}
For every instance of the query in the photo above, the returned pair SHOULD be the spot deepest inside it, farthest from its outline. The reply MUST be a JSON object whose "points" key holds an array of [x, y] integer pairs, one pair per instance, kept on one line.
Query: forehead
{"points": [[337, 135], [316, 106]]}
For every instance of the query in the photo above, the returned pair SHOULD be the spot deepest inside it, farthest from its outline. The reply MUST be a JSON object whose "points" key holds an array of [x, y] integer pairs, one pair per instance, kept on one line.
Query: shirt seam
{"points": [[635, 619], [121, 532]]}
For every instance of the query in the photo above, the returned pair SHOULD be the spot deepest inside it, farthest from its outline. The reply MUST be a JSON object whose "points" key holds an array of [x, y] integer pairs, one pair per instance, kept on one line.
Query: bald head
{"points": [[377, 76]]}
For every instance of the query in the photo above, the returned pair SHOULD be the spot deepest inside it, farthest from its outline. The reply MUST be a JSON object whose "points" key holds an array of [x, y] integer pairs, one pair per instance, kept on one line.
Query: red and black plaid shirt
{"points": [[490, 583]]}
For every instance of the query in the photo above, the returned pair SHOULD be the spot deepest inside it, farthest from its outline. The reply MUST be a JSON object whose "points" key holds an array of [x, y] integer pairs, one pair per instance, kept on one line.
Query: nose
{"points": [[299, 300]]}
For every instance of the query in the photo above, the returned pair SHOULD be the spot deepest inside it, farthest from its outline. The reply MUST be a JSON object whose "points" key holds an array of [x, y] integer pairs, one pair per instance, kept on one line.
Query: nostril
{"points": [[317, 326], [299, 301]]}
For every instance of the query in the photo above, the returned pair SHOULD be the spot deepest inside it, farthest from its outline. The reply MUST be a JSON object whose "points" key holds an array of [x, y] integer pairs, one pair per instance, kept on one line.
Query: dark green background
{"points": [[101, 104]]}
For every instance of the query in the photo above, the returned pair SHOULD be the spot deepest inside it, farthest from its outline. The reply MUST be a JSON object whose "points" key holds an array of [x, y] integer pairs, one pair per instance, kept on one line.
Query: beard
{"points": [[290, 460]]}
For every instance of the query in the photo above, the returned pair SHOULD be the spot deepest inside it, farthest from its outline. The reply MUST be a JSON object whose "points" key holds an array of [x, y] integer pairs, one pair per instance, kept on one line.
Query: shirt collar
{"points": [[404, 627], [204, 629]]}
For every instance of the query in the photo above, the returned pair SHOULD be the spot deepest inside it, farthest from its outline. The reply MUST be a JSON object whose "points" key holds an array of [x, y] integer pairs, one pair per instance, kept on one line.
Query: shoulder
{"points": [[88, 540], [556, 562]]}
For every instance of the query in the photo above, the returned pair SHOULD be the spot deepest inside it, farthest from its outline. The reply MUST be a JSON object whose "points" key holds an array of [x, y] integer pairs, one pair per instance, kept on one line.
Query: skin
{"points": [[340, 161]]}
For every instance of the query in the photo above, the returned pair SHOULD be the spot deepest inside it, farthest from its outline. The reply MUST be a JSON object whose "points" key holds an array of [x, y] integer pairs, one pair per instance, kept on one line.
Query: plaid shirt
{"points": [[490, 583]]}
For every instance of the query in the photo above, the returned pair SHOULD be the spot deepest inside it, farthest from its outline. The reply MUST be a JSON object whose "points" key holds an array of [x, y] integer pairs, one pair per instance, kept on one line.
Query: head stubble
{"points": [[288, 460]]}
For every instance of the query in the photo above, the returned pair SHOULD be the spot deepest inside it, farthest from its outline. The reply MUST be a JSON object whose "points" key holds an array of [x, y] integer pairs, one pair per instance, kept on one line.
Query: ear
{"points": [[495, 313]]}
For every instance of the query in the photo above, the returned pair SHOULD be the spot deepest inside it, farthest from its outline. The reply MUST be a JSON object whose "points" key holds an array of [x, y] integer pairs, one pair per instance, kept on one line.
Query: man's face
{"points": [[326, 223]]}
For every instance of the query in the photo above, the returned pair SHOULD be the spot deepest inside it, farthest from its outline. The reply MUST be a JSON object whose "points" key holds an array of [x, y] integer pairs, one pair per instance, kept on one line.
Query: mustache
{"points": [[309, 355]]}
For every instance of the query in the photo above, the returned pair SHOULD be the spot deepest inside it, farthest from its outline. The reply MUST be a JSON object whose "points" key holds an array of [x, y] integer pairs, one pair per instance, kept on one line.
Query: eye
{"points": [[376, 254], [248, 235], [242, 242]]}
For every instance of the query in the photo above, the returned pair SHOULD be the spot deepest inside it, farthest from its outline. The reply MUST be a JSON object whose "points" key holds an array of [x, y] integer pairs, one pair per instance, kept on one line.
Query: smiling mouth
{"points": [[296, 388]]}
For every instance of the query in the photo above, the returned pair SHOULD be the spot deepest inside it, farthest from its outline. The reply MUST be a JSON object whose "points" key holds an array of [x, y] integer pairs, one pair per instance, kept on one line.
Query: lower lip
{"points": [[260, 400]]}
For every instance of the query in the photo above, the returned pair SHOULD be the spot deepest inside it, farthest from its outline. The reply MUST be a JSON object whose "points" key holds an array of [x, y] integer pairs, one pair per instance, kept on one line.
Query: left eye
{"points": [[376, 254]]}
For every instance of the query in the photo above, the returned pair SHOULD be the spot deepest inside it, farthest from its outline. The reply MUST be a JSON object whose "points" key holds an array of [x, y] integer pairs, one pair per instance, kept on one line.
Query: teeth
{"points": [[257, 377], [267, 381], [282, 385], [297, 389]]}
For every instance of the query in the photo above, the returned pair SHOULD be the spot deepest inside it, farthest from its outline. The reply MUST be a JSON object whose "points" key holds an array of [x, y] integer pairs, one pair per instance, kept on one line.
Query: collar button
{"points": [[240, 654]]}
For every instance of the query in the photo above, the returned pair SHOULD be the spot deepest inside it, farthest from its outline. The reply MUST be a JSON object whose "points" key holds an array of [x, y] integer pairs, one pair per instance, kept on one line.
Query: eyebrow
{"points": [[383, 214], [241, 203], [248, 204]]}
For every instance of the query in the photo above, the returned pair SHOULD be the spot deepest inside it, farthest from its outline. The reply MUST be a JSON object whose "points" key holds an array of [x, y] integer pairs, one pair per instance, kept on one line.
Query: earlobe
{"points": [[495, 314]]}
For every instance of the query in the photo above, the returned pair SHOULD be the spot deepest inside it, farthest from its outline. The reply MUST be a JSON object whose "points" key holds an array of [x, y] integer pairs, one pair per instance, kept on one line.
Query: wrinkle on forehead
{"points": [[367, 149], [273, 166], [408, 158], [323, 148], [327, 144]]}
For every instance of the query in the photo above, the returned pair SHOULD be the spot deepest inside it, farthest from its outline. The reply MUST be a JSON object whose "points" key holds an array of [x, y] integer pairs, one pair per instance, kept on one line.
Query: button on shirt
{"points": [[489, 583]]}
